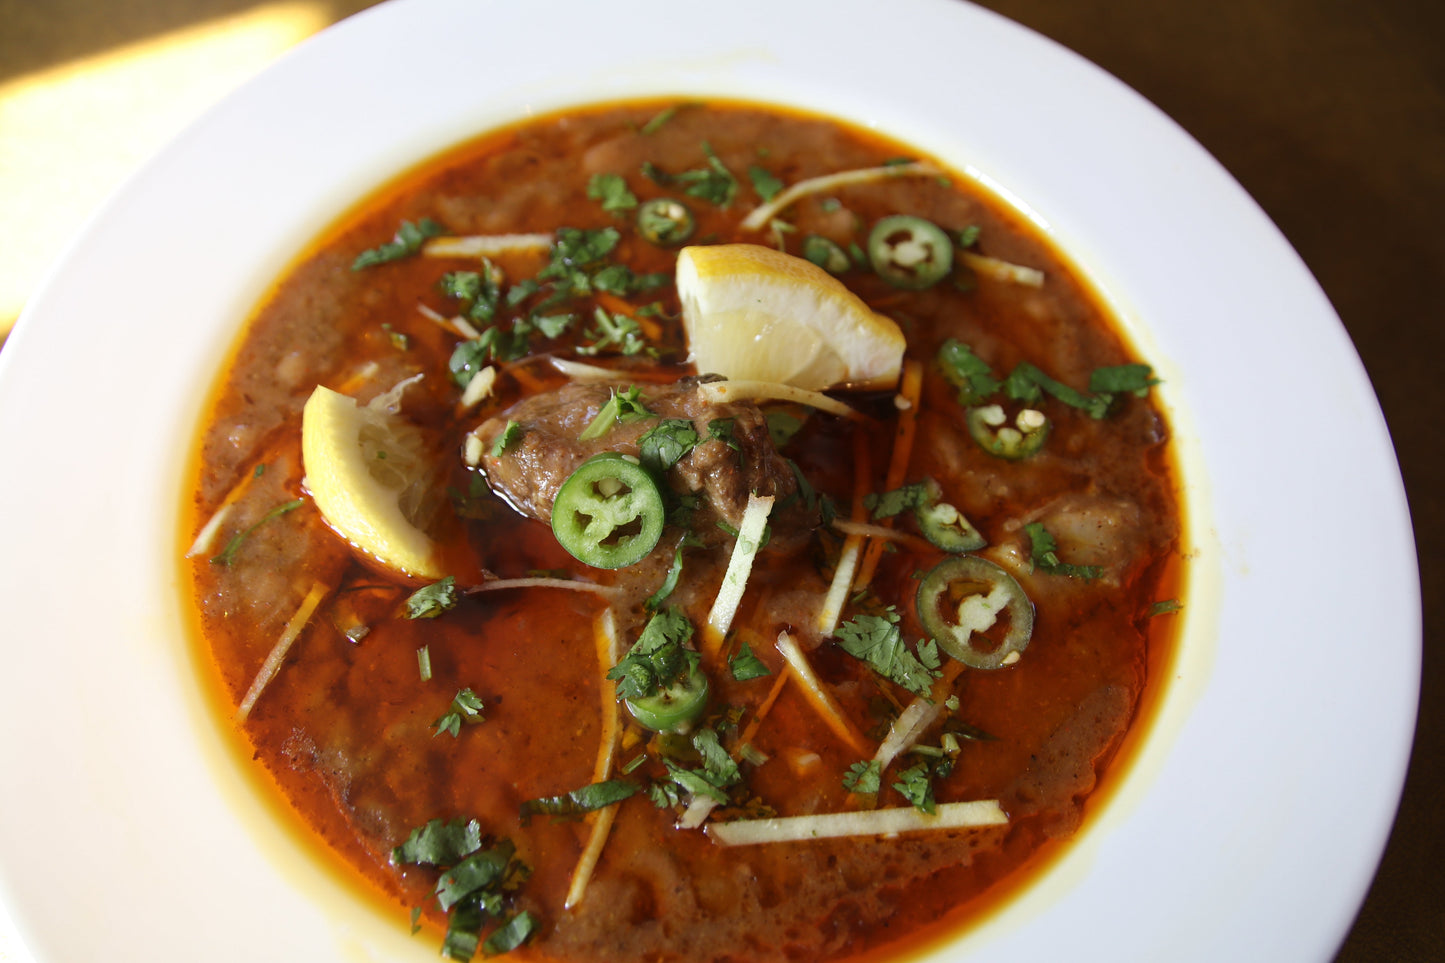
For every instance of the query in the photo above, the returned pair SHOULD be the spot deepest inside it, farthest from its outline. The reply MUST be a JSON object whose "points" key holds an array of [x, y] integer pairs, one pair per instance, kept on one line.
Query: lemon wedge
{"points": [[367, 471], [754, 313]]}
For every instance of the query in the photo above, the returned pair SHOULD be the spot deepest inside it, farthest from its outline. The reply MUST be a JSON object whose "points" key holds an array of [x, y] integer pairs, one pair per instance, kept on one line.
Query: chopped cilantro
{"points": [[669, 581], [408, 240], [747, 666], [614, 331], [1165, 607], [877, 640], [511, 934], [916, 785], [968, 236], [713, 182], [621, 280], [764, 182], [611, 190], [574, 248], [967, 372], [1043, 552], [1028, 384], [665, 444], [480, 290], [468, 359], [579, 801], [228, 554], [466, 708], [660, 118], [1135, 379], [506, 438], [863, 777], [658, 658], [621, 408], [439, 843], [432, 600]]}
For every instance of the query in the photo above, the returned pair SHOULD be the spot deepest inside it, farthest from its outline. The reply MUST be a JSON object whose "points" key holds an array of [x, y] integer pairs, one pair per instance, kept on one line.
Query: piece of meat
{"points": [[532, 468]]}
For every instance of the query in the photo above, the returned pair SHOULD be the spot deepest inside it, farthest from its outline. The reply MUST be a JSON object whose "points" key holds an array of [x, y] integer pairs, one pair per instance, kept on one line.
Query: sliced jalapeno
{"points": [[989, 427], [959, 604], [609, 512], [665, 222], [943, 524], [909, 252], [673, 708], [826, 254]]}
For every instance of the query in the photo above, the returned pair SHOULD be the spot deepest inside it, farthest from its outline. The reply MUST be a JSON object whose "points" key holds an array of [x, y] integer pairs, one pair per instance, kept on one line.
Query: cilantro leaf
{"points": [[432, 600], [713, 182], [616, 331], [863, 777], [1043, 552], [658, 658], [466, 708], [439, 843], [877, 640], [622, 407], [718, 767], [674, 573], [228, 554], [480, 290], [916, 785], [480, 870], [506, 438], [511, 934], [597, 795], [1135, 379], [747, 666], [408, 240], [1164, 607], [967, 372], [612, 191], [574, 248], [767, 185], [1028, 384], [665, 444]]}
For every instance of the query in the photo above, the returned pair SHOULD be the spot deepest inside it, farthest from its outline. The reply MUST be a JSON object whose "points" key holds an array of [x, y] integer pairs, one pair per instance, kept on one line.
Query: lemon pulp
{"points": [[754, 313], [366, 470]]}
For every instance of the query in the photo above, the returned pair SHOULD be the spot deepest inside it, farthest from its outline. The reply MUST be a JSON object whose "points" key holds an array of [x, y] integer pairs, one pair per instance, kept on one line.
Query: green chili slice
{"points": [[943, 524], [988, 424], [826, 254], [665, 222], [960, 603], [609, 513], [674, 708], [910, 252]]}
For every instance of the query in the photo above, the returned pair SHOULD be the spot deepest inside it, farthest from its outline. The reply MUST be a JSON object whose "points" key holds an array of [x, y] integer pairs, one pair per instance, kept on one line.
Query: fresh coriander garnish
{"points": [[1164, 607], [580, 801], [877, 640], [916, 785], [666, 443], [611, 190], [475, 886], [967, 372], [622, 407], [747, 666], [1044, 553], [764, 182], [506, 438], [432, 600], [408, 240], [617, 332], [658, 659], [863, 777], [466, 708], [713, 182], [228, 554]]}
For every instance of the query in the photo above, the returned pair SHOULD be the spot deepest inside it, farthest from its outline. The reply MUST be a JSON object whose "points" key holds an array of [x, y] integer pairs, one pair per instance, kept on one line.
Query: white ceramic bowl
{"points": [[128, 831]]}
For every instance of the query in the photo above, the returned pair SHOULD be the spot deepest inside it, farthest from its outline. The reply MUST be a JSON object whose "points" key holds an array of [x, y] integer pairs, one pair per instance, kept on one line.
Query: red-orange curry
{"points": [[485, 722]]}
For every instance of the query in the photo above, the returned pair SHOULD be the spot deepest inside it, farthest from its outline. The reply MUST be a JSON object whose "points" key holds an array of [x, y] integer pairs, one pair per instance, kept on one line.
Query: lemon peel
{"points": [[755, 313], [366, 470]]}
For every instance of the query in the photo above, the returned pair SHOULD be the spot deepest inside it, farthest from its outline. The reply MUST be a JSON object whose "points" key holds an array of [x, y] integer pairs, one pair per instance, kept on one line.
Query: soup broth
{"points": [[382, 713]]}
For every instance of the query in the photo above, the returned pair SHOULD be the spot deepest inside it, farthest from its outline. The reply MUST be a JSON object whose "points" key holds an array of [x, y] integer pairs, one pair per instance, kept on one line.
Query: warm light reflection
{"points": [[73, 133]]}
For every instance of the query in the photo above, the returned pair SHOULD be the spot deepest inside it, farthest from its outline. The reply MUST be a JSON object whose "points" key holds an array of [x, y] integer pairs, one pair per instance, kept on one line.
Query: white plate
{"points": [[129, 832]]}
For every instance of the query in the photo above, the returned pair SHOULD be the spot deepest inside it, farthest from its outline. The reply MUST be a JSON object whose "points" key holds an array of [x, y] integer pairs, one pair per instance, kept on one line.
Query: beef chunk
{"points": [[723, 469]]}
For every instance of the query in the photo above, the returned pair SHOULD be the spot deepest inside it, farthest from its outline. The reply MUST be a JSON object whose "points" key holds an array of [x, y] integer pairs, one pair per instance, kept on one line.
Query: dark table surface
{"points": [[1331, 113]]}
